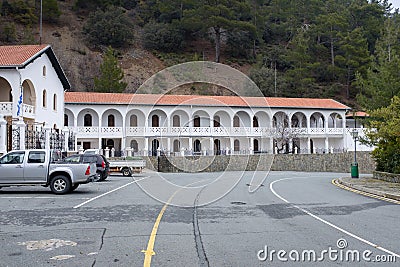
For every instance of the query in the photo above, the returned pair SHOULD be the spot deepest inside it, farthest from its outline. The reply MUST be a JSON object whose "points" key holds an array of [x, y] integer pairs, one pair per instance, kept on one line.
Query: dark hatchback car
{"points": [[102, 164]]}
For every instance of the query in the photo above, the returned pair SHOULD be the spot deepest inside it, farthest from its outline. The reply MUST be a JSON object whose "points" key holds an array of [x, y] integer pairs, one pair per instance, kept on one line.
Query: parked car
{"points": [[40, 167], [102, 164], [128, 166]]}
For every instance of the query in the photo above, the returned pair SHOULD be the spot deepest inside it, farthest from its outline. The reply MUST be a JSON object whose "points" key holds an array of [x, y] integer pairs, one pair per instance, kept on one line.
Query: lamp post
{"points": [[354, 165]]}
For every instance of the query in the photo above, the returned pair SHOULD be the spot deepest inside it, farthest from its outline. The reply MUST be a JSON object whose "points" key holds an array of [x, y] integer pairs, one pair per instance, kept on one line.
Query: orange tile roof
{"points": [[357, 114], [18, 55], [157, 99]]}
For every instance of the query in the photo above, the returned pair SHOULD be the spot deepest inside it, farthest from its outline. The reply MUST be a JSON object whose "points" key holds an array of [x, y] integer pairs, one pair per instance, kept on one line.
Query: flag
{"points": [[19, 106]]}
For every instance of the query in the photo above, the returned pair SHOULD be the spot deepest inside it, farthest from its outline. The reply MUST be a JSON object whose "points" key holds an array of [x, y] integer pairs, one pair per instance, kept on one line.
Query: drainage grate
{"points": [[238, 203]]}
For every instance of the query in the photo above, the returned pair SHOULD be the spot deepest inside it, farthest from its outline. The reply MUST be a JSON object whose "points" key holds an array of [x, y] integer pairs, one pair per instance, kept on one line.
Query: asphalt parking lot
{"points": [[122, 222]]}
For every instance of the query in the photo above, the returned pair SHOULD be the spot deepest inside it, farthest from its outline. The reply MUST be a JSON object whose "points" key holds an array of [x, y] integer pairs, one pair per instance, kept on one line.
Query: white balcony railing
{"points": [[199, 131], [6, 108]]}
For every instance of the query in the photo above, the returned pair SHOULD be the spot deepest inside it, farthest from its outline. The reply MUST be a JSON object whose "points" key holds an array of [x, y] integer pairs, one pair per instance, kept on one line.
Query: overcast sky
{"points": [[395, 3]]}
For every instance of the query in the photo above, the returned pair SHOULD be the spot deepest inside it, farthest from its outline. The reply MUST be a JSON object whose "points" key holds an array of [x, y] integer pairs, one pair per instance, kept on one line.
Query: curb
{"points": [[371, 192]]}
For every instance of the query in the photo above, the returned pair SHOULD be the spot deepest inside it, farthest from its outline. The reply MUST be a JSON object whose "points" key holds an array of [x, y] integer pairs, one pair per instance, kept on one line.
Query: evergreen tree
{"points": [[353, 57], [384, 133], [111, 75], [51, 12], [382, 81], [218, 18]]}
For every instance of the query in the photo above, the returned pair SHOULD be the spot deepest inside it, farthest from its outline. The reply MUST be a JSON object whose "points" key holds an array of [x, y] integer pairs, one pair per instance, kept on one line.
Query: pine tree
{"points": [[111, 75]]}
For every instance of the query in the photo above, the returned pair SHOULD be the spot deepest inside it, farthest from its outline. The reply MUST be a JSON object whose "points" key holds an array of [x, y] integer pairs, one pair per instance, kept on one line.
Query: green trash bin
{"points": [[354, 170]]}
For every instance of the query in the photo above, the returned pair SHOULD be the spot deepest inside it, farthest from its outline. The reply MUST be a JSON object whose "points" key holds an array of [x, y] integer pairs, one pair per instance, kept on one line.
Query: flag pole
{"points": [[40, 27]]}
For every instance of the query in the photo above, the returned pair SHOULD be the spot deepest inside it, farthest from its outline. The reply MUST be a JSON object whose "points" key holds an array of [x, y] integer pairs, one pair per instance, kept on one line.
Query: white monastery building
{"points": [[206, 125], [34, 91]]}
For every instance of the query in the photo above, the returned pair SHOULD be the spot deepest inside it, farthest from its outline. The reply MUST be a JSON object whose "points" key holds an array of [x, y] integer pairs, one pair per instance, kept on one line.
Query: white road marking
{"points": [[329, 223], [39, 198], [62, 257], [109, 192]]}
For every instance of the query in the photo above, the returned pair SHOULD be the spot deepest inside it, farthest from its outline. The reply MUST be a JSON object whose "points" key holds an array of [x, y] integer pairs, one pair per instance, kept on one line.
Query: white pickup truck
{"points": [[128, 167], [39, 167]]}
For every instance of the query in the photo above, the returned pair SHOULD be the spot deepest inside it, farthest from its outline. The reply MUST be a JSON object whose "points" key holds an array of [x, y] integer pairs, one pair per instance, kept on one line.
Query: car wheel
{"points": [[73, 187], [97, 177], [60, 185], [126, 172]]}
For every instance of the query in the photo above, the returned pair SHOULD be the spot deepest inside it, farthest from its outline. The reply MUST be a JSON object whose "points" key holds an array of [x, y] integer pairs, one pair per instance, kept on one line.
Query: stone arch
{"points": [[222, 119], [88, 111], [201, 118], [29, 93], [335, 120], [105, 118], [5, 91], [179, 118], [157, 118], [317, 120], [280, 119], [135, 118], [69, 120], [244, 119], [263, 119], [298, 120]]}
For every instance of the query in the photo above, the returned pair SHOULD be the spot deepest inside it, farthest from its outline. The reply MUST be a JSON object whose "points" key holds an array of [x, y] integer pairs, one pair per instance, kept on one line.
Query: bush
{"points": [[8, 32], [111, 27], [163, 37], [21, 11]]}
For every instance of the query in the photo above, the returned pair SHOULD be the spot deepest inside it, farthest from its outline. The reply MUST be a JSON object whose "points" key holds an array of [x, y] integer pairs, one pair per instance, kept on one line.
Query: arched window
{"points": [[133, 120], [217, 147], [197, 145], [155, 121], [177, 146], [54, 102], [217, 121], [236, 121], [176, 121], [44, 71], [236, 145], [255, 122], [295, 122], [87, 120], [155, 144], [44, 98], [66, 120], [196, 121], [111, 120], [255, 145], [134, 146]]}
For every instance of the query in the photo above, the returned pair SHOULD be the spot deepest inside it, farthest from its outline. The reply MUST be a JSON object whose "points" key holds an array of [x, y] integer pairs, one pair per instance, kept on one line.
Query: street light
{"points": [[354, 165]]}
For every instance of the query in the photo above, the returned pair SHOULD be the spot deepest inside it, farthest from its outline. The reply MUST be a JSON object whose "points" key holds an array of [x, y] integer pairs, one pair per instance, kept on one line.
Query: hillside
{"points": [[311, 48], [81, 62]]}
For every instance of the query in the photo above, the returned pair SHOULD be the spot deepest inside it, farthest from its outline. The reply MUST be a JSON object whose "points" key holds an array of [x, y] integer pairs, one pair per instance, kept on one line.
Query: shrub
{"points": [[111, 27], [164, 37]]}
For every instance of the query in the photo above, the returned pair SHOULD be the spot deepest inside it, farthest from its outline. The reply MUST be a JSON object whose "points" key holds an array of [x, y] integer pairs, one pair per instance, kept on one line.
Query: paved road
{"points": [[115, 223]]}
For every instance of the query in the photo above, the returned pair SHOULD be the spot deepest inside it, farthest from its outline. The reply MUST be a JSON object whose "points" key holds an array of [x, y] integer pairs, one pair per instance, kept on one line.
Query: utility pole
{"points": [[40, 22]]}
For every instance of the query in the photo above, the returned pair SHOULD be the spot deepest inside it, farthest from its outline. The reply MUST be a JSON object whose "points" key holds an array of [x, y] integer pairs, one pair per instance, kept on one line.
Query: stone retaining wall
{"points": [[388, 177], [282, 162]]}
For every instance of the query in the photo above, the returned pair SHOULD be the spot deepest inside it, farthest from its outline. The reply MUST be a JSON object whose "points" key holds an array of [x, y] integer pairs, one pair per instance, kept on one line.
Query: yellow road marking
{"points": [[335, 182], [149, 252]]}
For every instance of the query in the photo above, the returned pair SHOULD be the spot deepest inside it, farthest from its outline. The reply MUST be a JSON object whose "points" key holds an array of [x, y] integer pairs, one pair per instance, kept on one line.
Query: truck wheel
{"points": [[126, 172], [60, 185], [73, 187]]}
